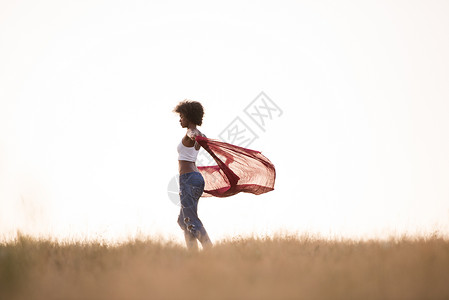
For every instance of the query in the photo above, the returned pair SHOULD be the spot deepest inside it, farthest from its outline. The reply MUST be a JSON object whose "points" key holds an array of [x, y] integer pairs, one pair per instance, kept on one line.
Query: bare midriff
{"points": [[187, 166]]}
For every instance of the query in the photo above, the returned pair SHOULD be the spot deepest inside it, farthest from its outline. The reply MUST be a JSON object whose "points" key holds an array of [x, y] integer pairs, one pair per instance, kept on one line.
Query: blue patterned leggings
{"points": [[191, 187]]}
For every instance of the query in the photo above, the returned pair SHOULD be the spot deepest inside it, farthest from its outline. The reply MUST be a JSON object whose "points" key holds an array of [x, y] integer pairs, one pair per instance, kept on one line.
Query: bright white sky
{"points": [[88, 138]]}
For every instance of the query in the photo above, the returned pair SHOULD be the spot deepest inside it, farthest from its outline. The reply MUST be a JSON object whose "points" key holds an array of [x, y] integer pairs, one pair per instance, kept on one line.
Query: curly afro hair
{"points": [[192, 110]]}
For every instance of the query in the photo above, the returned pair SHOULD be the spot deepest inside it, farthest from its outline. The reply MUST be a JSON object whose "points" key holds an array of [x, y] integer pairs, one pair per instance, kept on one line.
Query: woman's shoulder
{"points": [[192, 133]]}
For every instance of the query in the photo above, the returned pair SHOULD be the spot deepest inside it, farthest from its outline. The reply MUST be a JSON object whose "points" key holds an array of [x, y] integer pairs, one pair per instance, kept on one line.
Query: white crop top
{"points": [[187, 153]]}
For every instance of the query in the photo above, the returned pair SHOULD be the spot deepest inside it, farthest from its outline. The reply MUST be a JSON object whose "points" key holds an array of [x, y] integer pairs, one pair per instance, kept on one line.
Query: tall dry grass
{"points": [[251, 268]]}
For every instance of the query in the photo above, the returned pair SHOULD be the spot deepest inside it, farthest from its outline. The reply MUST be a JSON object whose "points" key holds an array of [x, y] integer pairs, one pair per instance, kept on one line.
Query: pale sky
{"points": [[88, 137]]}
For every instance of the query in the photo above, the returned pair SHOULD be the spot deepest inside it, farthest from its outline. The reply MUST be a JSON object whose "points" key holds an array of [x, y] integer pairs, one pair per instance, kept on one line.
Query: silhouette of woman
{"points": [[191, 182]]}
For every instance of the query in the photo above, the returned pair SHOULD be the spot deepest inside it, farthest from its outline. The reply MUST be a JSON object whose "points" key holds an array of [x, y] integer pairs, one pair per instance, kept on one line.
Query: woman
{"points": [[191, 182]]}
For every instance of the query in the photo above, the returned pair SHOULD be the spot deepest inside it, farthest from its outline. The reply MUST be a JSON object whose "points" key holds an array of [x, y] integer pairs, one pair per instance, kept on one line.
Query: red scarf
{"points": [[238, 170]]}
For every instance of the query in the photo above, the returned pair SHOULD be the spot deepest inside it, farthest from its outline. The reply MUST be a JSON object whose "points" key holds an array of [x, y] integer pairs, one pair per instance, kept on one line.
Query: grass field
{"points": [[282, 267]]}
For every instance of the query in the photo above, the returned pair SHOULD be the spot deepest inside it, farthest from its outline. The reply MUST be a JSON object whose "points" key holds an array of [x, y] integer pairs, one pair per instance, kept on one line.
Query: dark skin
{"points": [[189, 141]]}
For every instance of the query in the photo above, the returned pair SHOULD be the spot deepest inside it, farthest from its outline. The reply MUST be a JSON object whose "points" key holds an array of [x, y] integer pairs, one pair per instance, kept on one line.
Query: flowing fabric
{"points": [[238, 170]]}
